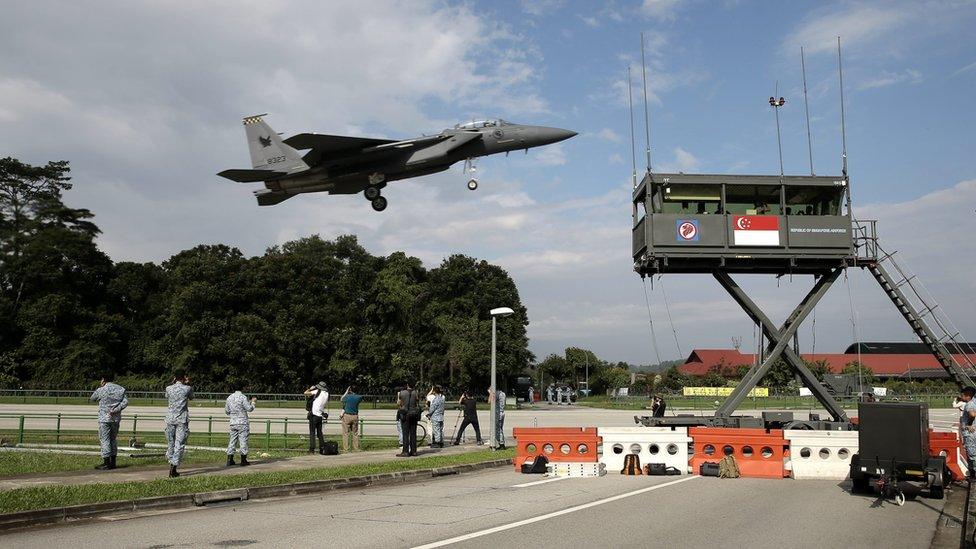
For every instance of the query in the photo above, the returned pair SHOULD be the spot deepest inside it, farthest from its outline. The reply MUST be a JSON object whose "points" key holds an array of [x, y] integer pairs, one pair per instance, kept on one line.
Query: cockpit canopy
{"points": [[478, 124]]}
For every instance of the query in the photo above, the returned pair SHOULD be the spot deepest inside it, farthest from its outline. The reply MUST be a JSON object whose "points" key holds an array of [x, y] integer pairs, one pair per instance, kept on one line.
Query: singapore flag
{"points": [[755, 230]]}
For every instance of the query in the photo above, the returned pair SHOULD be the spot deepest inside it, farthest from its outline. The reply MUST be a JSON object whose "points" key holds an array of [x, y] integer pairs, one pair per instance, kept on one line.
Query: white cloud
{"points": [[681, 161], [148, 125], [660, 51], [887, 78], [537, 8], [589, 20], [856, 24], [966, 68], [615, 159], [550, 155], [608, 135], [660, 9]]}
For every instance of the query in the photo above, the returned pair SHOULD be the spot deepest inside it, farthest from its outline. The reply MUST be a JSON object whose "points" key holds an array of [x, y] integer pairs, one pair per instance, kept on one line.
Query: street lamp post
{"points": [[587, 373], [495, 313]]}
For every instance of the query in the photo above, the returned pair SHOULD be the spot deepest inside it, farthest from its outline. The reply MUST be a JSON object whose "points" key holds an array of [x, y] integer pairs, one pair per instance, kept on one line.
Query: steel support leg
{"points": [[779, 338]]}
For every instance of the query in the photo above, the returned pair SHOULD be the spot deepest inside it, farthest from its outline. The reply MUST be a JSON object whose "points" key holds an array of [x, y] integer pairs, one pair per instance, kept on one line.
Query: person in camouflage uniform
{"points": [[178, 396], [237, 407], [111, 401]]}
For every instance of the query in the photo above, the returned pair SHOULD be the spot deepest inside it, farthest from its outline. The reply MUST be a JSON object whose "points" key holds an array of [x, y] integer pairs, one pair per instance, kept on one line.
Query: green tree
{"points": [[555, 368], [609, 379], [852, 368], [674, 380]]}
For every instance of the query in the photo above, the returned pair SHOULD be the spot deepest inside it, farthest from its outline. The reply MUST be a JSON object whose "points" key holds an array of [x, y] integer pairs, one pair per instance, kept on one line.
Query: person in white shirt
{"points": [[317, 415]]}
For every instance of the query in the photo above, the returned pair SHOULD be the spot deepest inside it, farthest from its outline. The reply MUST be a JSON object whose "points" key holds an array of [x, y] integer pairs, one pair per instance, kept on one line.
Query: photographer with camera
{"points": [[470, 406], [319, 396]]}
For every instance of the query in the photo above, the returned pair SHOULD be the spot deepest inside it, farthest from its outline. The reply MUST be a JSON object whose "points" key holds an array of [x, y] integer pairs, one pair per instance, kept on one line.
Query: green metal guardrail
{"points": [[152, 398], [268, 437], [773, 401]]}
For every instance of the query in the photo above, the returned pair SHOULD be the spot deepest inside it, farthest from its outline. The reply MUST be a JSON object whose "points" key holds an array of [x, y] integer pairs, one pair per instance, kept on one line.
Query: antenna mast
{"points": [[843, 123], [806, 104], [776, 104], [843, 132], [633, 153], [647, 124]]}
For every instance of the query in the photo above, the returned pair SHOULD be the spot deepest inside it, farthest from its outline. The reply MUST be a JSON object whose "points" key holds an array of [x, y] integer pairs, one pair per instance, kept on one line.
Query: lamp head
{"points": [[502, 311]]}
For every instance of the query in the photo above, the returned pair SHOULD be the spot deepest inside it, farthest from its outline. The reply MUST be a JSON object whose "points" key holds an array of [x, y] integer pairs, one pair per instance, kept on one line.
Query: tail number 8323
{"points": [[276, 159]]}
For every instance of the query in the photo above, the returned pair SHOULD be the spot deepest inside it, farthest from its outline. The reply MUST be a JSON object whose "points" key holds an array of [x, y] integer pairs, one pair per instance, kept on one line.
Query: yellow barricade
{"points": [[761, 392]]}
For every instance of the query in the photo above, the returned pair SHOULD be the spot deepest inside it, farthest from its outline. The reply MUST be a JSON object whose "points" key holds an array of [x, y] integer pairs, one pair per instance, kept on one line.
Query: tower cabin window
{"points": [[813, 200], [692, 199], [753, 199]]}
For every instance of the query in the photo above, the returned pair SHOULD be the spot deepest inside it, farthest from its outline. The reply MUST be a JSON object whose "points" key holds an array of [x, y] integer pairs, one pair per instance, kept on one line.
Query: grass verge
{"points": [[20, 463], [45, 497]]}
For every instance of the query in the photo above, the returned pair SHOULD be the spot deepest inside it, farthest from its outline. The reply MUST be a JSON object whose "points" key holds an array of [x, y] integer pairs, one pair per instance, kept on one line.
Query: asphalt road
{"points": [[497, 508]]}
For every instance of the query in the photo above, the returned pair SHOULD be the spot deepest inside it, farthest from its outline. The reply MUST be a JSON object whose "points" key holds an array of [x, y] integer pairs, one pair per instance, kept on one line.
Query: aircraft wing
{"points": [[326, 144]]}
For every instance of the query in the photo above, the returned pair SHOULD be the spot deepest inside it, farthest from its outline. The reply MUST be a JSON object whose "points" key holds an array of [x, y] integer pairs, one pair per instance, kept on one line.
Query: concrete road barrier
{"points": [[820, 454], [667, 445]]}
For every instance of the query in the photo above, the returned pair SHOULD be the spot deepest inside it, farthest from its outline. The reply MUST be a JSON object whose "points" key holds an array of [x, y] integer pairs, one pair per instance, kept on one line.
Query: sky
{"points": [[145, 99]]}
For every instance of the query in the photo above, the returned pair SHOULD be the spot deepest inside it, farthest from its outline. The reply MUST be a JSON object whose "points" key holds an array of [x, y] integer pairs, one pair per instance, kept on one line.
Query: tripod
{"points": [[456, 423]]}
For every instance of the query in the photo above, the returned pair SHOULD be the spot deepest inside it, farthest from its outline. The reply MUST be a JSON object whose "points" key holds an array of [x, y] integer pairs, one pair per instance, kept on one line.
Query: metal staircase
{"points": [[916, 305]]}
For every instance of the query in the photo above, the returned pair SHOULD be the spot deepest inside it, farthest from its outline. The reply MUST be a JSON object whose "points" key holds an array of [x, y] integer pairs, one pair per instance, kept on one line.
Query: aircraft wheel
{"points": [[899, 498], [371, 193], [473, 184], [379, 203]]}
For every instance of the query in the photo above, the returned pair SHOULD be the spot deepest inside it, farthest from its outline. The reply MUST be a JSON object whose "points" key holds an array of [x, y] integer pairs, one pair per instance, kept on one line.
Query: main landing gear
{"points": [[372, 192]]}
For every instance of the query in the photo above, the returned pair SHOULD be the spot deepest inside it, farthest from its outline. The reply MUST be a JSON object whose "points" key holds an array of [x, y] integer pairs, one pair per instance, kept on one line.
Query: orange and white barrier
{"points": [[759, 453], [557, 444], [667, 445]]}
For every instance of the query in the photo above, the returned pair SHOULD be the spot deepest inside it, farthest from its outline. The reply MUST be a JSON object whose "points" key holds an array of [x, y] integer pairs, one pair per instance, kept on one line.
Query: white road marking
{"points": [[543, 481], [554, 514]]}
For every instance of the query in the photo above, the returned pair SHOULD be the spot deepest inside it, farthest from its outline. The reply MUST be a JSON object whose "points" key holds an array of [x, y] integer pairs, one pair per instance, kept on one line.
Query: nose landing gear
{"points": [[469, 167]]}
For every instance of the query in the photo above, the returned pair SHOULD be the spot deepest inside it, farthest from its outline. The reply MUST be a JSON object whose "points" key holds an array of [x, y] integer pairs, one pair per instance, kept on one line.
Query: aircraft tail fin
{"points": [[268, 151]]}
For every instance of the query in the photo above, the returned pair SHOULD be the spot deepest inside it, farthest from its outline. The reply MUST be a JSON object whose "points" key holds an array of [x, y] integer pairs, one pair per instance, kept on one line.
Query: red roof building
{"points": [[701, 361]]}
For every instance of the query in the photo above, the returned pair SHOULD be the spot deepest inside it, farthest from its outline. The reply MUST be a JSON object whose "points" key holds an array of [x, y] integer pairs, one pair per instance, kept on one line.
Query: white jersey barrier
{"points": [[665, 445], [821, 454], [575, 469]]}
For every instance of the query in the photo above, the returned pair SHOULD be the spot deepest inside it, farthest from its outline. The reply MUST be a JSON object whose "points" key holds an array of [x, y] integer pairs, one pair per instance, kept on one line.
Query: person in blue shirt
{"points": [[111, 401], [350, 417]]}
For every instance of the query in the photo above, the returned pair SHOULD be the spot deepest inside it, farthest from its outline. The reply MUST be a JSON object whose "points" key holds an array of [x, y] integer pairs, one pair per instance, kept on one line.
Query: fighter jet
{"points": [[339, 164]]}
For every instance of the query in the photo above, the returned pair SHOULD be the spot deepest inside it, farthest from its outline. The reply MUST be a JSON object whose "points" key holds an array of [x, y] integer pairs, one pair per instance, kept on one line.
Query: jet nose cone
{"points": [[555, 135]]}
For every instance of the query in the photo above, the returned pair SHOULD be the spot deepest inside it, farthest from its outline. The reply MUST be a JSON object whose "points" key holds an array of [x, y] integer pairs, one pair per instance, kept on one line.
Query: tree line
{"points": [[307, 310]]}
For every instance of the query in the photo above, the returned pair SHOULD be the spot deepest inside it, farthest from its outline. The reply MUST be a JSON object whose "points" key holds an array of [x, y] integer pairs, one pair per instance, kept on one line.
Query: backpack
{"points": [[410, 405], [537, 467], [658, 469], [330, 448], [655, 469], [632, 465], [728, 468], [708, 469]]}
